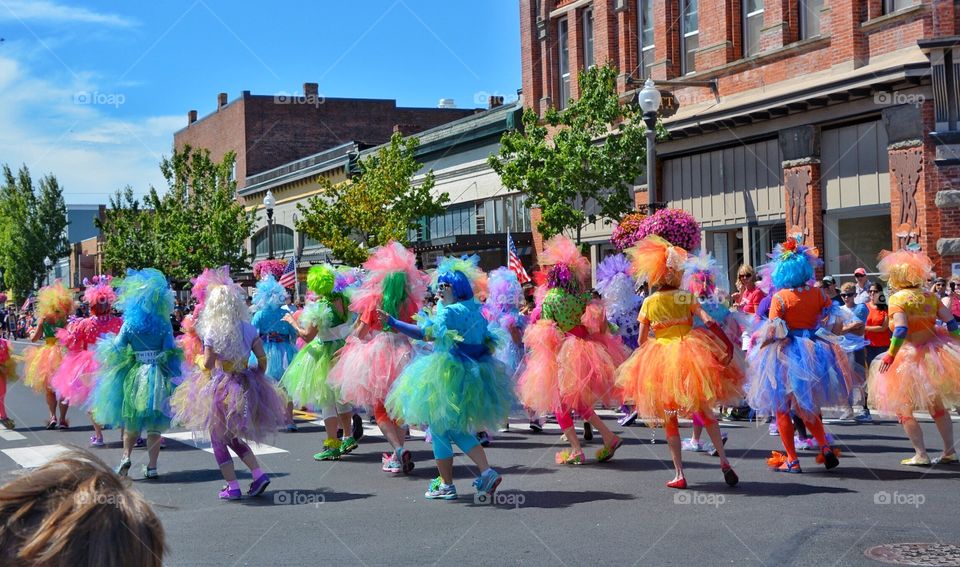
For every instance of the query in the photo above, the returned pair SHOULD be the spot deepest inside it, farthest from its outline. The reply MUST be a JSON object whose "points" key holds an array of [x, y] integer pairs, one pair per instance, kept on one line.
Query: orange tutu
{"points": [[921, 377], [564, 371], [40, 363], [681, 374]]}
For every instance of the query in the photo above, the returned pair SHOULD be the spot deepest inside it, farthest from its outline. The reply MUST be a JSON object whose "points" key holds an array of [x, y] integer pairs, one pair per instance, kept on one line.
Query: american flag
{"points": [[288, 278], [514, 263]]}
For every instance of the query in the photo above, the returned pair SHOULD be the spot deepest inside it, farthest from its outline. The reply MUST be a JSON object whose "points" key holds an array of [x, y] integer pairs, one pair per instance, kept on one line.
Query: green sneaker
{"points": [[440, 491], [348, 445], [331, 453]]}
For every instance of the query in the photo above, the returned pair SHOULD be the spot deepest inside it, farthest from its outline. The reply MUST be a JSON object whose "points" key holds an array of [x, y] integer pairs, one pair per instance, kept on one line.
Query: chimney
{"points": [[310, 90], [246, 94], [493, 101], [191, 117], [221, 100], [396, 128], [446, 103]]}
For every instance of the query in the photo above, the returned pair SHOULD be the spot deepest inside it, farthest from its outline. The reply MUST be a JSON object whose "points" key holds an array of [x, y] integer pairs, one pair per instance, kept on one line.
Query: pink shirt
{"points": [[750, 299]]}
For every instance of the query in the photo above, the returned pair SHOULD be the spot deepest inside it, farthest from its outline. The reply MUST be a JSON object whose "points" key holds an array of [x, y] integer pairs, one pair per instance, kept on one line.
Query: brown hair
{"points": [[75, 511], [848, 287]]}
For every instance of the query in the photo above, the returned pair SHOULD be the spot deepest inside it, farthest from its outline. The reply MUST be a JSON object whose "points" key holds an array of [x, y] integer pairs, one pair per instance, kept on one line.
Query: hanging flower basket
{"points": [[676, 226], [627, 231], [269, 267]]}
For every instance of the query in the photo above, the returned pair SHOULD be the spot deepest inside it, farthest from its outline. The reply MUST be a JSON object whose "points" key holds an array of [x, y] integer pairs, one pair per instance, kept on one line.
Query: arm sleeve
{"points": [[777, 308], [408, 329]]}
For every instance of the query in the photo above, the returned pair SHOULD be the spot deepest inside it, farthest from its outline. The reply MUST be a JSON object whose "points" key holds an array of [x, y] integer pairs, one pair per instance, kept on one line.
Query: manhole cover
{"points": [[933, 554]]}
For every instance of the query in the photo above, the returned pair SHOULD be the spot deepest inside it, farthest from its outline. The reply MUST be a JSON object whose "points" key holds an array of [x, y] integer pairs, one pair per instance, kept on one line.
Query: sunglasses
{"points": [[874, 291], [443, 285], [847, 294], [859, 275], [745, 276]]}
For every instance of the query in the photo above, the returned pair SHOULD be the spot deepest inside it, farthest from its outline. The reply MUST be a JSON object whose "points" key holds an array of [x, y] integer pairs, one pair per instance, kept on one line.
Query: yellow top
{"points": [[920, 307], [669, 313]]}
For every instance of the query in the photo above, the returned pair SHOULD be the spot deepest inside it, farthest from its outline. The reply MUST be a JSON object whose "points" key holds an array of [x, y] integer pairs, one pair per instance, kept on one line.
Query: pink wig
{"points": [[99, 294], [905, 268]]}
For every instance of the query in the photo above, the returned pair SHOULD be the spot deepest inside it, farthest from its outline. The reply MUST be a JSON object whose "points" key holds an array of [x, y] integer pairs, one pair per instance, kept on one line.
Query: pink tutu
{"points": [[76, 377], [192, 348], [366, 368]]}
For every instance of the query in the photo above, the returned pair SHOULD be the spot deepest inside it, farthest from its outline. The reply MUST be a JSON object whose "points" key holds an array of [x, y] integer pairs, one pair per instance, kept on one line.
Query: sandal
{"points": [[730, 477], [916, 461], [829, 458], [605, 453], [945, 460], [570, 458]]}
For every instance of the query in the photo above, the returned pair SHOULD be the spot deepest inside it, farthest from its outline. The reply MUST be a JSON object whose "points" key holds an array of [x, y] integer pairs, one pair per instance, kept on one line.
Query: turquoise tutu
{"points": [[280, 355], [305, 380], [134, 388]]}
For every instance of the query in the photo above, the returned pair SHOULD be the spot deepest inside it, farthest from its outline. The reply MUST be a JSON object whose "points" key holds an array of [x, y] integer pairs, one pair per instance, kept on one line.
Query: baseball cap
{"points": [[859, 272], [828, 280]]}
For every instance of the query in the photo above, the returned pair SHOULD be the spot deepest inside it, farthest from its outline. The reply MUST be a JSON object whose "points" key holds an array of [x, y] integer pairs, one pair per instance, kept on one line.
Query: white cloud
{"points": [[46, 11], [87, 143]]}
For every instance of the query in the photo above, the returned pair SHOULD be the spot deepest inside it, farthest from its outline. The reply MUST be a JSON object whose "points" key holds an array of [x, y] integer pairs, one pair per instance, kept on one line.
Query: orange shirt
{"points": [[875, 317], [800, 308]]}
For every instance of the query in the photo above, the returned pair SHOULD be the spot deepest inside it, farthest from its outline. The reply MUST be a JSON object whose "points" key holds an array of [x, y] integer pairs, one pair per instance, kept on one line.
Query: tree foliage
{"points": [[127, 230], [379, 205], [580, 163], [33, 223]]}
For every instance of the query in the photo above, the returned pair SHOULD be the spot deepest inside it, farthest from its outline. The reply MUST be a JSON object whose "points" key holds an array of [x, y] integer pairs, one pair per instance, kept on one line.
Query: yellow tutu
{"points": [[681, 373], [40, 363]]}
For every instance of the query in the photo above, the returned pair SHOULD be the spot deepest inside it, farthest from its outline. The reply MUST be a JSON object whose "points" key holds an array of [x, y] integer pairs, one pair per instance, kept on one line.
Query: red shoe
{"points": [[679, 483], [729, 476]]}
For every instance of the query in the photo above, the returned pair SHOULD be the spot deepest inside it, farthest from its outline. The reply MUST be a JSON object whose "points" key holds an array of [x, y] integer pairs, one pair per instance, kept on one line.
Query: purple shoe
{"points": [[140, 442], [230, 493], [96, 441], [258, 485]]}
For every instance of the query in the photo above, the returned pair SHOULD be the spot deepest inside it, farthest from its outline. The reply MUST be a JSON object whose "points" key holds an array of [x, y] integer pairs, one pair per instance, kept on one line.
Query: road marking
{"points": [[188, 438], [32, 457], [10, 435]]}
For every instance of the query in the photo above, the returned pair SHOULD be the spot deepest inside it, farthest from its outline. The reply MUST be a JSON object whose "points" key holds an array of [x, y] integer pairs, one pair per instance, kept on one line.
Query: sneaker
{"points": [[484, 438], [357, 433], [440, 491], [331, 453], [691, 445], [149, 474], [846, 415], [124, 467], [96, 441], [385, 459], [140, 442], [393, 465], [628, 419], [291, 428], [7, 423], [587, 431], [406, 460], [773, 430], [487, 482], [348, 445], [536, 425], [258, 485], [805, 444], [864, 417], [52, 424], [230, 494], [64, 424]]}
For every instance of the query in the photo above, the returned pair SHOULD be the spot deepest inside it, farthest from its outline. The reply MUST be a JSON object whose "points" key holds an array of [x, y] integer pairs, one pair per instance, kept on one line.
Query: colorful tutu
{"points": [[366, 368], [76, 377], [565, 371], [306, 379], [134, 388], [681, 374], [921, 376], [192, 347], [280, 355], [245, 404], [800, 368], [452, 392], [8, 366], [40, 364]]}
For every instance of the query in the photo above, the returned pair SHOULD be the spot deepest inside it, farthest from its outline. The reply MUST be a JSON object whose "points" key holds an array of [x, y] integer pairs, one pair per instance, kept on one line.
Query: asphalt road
{"points": [[619, 513]]}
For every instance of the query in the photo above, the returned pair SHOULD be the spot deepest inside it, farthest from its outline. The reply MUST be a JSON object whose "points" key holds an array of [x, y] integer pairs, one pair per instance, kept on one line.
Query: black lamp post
{"points": [[649, 100], [269, 202]]}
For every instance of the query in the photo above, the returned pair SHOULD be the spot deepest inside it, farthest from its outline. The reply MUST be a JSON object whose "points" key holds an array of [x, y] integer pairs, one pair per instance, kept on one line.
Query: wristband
{"points": [[896, 342]]}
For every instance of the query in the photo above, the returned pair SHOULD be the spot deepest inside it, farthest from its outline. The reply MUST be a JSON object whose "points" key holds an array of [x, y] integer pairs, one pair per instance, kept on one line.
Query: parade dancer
{"points": [[8, 373], [324, 322], [75, 378], [375, 354], [502, 311], [458, 387], [225, 398], [682, 370], [138, 366], [617, 289], [54, 305], [571, 355], [792, 368], [277, 335], [921, 369]]}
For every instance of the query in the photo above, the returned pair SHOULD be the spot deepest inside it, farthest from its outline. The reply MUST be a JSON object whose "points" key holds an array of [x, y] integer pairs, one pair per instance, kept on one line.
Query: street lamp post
{"points": [[269, 202], [649, 100], [296, 259], [47, 262]]}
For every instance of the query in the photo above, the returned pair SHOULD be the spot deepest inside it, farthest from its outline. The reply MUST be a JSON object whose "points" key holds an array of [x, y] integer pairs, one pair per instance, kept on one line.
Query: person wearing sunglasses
{"points": [[829, 286], [748, 295], [877, 332], [863, 285], [855, 317]]}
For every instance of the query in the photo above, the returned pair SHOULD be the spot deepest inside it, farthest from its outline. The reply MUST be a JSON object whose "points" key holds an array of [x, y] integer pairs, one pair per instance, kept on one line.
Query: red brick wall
{"points": [[535, 217], [531, 78], [220, 131]]}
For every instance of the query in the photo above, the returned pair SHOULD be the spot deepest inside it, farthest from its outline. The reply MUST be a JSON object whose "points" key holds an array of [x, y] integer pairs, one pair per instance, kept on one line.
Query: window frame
{"points": [[805, 21], [684, 35], [745, 27], [643, 48], [890, 6], [563, 60], [586, 19]]}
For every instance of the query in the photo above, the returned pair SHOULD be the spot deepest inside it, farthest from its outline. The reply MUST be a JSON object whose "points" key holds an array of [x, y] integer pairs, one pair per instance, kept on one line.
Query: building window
{"points": [[752, 24], [894, 5], [308, 241], [689, 35], [564, 63], [810, 18], [588, 38], [282, 241], [646, 45]]}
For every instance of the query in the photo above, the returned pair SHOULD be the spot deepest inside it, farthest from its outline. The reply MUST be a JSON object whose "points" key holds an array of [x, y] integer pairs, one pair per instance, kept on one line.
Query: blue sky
{"points": [[93, 91]]}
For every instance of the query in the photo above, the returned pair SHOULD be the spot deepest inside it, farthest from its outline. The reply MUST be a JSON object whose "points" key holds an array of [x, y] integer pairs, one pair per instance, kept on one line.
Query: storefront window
{"points": [[860, 239]]}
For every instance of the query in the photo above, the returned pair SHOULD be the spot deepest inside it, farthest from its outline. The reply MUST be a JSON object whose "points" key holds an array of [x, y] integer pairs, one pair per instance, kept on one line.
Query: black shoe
{"points": [[587, 431], [357, 427], [484, 438], [536, 426]]}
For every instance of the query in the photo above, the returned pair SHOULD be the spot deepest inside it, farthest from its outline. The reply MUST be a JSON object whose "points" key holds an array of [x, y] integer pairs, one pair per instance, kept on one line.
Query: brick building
{"points": [[837, 120], [267, 131]]}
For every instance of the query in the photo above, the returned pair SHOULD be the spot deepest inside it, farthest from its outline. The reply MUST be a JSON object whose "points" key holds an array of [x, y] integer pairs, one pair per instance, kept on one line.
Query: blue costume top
{"points": [[279, 339]]}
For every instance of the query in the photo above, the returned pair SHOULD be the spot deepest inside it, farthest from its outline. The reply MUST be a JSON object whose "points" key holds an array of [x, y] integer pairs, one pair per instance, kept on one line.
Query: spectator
{"points": [[863, 286], [75, 511], [954, 297], [748, 295], [853, 324], [829, 286], [939, 288], [877, 332]]}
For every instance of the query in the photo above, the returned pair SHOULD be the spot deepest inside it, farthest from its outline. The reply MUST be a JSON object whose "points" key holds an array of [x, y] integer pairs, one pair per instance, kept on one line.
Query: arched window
{"points": [[282, 241]]}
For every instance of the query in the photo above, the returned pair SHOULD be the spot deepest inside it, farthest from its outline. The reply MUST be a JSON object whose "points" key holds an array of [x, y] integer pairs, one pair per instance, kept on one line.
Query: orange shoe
{"points": [[679, 483]]}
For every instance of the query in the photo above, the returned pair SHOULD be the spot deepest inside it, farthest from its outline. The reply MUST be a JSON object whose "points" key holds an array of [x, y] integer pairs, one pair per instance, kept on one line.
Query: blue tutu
{"points": [[800, 371], [278, 338]]}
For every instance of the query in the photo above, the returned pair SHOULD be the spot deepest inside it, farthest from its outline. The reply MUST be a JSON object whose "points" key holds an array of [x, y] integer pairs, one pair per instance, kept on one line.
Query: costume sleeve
{"points": [[777, 308], [643, 316]]}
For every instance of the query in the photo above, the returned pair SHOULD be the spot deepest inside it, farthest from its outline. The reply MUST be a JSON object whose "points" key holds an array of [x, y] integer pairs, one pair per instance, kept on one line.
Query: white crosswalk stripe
{"points": [[9, 435], [32, 457], [188, 438]]}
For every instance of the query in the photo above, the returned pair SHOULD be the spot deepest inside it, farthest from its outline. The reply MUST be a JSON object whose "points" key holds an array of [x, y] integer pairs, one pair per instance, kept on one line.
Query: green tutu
{"points": [[133, 390], [305, 379]]}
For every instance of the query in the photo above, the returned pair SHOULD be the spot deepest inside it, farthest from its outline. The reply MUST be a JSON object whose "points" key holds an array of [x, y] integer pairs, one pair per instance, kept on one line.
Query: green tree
{"points": [[33, 221], [579, 164], [379, 205], [128, 234]]}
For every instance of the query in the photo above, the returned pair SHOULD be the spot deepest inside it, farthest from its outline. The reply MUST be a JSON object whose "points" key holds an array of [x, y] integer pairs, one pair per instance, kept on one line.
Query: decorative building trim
{"points": [[948, 199], [948, 246], [796, 181], [802, 161], [905, 144], [905, 167]]}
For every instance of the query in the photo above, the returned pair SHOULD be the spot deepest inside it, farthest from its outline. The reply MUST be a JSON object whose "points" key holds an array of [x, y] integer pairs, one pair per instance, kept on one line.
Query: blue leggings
{"points": [[443, 443]]}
